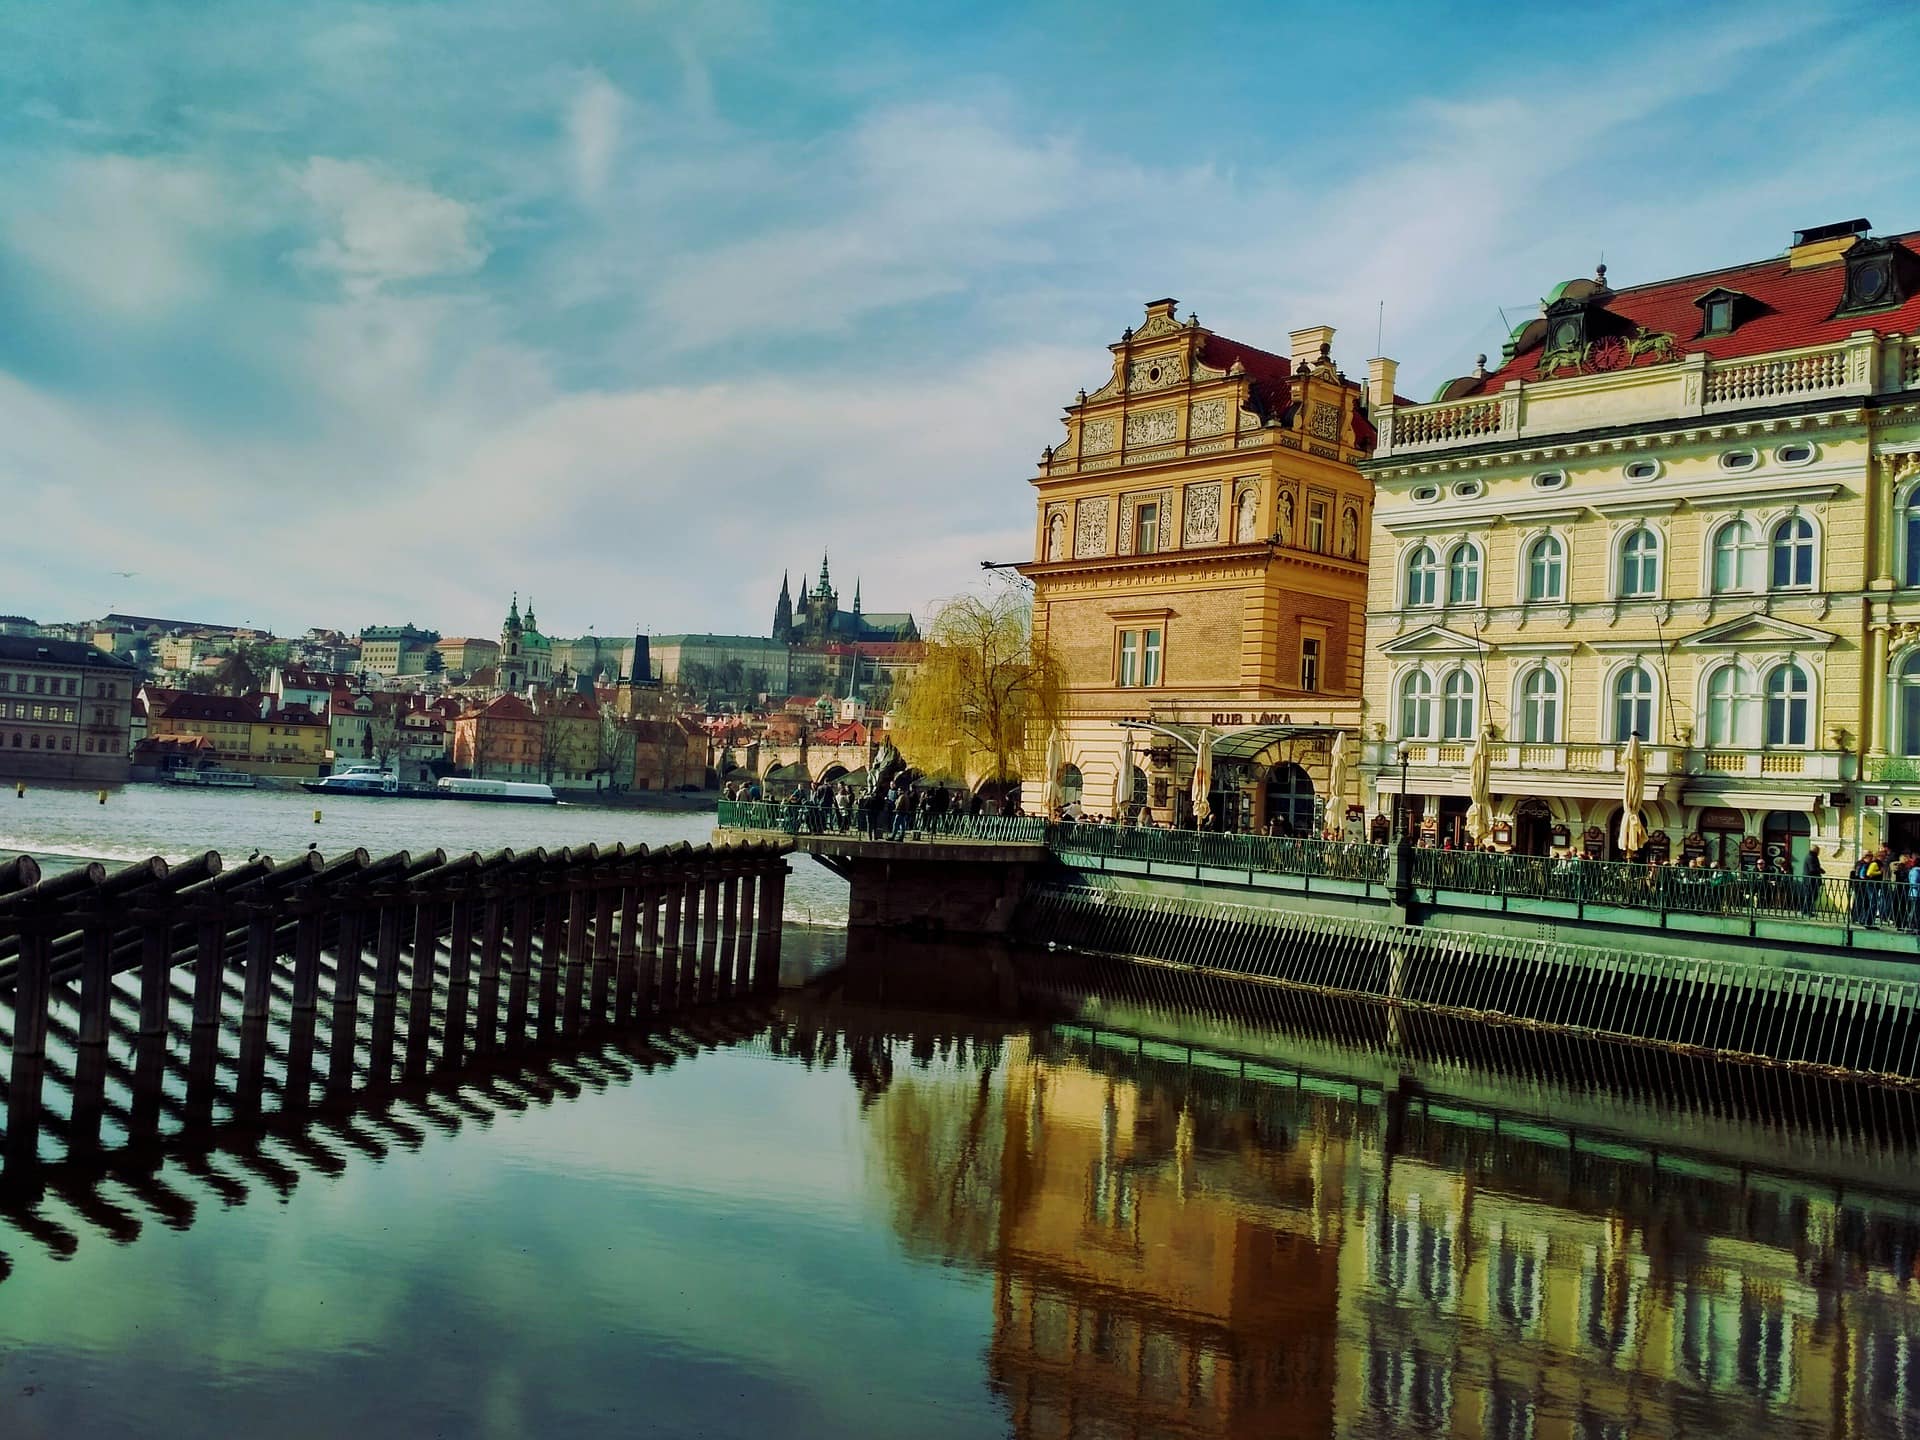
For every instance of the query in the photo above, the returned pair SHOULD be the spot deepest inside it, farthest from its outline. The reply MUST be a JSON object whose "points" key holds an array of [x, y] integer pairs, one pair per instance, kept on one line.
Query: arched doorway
{"points": [[1072, 785], [1532, 827], [1290, 801], [1722, 829]]}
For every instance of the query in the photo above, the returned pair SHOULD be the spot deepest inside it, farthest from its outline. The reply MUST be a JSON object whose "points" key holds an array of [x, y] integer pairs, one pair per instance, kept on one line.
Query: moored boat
{"points": [[215, 779], [356, 780], [512, 791]]}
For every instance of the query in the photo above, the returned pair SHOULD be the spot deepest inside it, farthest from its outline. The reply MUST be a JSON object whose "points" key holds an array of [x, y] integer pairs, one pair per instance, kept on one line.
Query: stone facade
{"points": [[65, 710], [1686, 531]]}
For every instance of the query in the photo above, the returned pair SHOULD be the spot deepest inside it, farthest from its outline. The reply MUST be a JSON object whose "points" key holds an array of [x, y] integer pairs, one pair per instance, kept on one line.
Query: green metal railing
{"points": [[807, 817], [1333, 860]]}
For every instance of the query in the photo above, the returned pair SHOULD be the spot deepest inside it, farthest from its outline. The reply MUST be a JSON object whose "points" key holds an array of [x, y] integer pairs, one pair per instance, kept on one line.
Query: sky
{"points": [[348, 314]]}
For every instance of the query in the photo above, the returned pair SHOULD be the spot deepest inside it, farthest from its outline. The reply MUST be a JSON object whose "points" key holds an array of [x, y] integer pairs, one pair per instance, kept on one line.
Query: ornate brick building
{"points": [[1200, 563]]}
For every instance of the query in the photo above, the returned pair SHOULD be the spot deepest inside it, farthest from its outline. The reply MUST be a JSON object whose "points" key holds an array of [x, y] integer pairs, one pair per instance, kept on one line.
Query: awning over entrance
{"points": [[1240, 745]]}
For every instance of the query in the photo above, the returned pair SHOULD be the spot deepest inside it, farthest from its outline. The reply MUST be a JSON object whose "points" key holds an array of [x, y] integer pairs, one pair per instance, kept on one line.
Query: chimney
{"points": [[1824, 244], [1381, 373], [1307, 343]]}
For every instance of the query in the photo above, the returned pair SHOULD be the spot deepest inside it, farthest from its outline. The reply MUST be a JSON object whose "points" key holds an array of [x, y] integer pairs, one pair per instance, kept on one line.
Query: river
{"points": [[173, 821], [836, 1216]]}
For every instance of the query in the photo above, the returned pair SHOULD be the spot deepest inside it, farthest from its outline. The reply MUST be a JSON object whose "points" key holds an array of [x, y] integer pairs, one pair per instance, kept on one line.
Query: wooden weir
{"points": [[1181, 952], [340, 977]]}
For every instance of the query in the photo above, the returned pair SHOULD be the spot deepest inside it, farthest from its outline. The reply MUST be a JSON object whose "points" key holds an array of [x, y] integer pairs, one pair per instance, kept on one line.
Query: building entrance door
{"points": [[1723, 829], [1290, 801], [1532, 827]]}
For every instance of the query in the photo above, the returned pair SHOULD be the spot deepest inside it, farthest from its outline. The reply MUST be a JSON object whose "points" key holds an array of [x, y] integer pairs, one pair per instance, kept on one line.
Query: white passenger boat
{"points": [[511, 791], [356, 780], [215, 779]]}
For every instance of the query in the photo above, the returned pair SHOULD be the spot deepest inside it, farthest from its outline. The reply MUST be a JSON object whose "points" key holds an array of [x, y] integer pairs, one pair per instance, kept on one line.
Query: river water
{"points": [[837, 1216], [175, 821]]}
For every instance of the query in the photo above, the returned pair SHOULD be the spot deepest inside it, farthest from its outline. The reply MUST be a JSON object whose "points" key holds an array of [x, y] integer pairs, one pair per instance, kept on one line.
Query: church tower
{"points": [[512, 664], [783, 612]]}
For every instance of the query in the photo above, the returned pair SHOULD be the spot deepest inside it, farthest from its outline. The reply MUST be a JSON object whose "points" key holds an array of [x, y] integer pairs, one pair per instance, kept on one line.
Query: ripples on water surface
{"points": [[174, 822]]}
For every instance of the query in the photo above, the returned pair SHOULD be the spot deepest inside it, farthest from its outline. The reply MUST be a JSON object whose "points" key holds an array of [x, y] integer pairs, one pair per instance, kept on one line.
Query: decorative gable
{"points": [[1758, 631], [1435, 640]]}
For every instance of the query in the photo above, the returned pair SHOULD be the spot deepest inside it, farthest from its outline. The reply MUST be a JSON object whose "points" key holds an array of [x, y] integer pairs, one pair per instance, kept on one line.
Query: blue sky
{"points": [[346, 314]]}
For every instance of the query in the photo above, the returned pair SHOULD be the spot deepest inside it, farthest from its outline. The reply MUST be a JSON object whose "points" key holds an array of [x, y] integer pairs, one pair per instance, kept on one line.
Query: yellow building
{"points": [[289, 740], [1200, 555], [1678, 509]]}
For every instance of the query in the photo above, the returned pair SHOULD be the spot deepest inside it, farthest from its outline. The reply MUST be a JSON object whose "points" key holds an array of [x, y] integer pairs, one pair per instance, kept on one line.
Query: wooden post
{"points": [[493, 929], [627, 944], [601, 980], [426, 955], [459, 966], [257, 990], [709, 928], [579, 945], [553, 952], [209, 977], [749, 936], [346, 997], [150, 1051], [386, 988], [32, 991], [647, 972], [520, 963], [766, 954], [729, 926], [673, 927], [690, 897]]}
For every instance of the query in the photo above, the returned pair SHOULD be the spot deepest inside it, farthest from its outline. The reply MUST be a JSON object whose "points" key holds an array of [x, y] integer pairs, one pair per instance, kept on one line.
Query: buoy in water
{"points": [[316, 817], [19, 789], [103, 797]]}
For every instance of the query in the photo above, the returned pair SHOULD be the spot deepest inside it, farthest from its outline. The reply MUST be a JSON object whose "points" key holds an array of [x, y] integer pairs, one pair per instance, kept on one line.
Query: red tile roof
{"points": [[1789, 309]]}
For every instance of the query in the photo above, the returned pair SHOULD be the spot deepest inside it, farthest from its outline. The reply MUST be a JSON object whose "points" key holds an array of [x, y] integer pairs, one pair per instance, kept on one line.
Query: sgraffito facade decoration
{"points": [[1159, 373], [1201, 511], [1090, 528], [1207, 417], [1129, 509], [1146, 428], [1096, 437]]}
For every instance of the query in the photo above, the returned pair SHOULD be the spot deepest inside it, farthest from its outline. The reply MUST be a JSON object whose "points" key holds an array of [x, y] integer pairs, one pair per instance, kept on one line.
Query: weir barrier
{"points": [[342, 977]]}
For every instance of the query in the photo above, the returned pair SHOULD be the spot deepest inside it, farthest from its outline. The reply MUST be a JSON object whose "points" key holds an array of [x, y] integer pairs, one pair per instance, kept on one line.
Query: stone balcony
{"points": [[1522, 411], [1575, 768]]}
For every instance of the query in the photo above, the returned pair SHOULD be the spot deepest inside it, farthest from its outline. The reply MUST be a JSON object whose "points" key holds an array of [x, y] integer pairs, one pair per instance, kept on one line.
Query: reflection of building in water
{"points": [[1161, 1270], [1184, 1253]]}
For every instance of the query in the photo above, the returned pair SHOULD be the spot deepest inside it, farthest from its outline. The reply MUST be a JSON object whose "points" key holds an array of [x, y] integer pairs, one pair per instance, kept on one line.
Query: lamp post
{"points": [[1406, 825]]}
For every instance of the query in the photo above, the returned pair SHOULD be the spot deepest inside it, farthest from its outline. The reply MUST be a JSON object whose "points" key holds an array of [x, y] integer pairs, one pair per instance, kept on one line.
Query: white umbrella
{"points": [[1337, 782], [1123, 780], [1480, 792], [1203, 780], [1050, 789], [1633, 794]]}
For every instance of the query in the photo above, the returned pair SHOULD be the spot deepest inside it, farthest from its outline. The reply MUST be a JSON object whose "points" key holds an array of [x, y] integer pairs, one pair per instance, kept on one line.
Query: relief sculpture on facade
{"points": [[1150, 427], [1208, 417], [1057, 533], [1283, 518], [1155, 374], [1090, 528], [1324, 421], [1096, 437], [1246, 512], [1202, 526]]}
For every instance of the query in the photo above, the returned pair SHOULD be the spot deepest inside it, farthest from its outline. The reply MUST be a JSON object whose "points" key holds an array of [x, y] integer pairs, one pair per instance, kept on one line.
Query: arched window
{"points": [[1423, 576], [1416, 706], [1540, 708], [1459, 704], [1640, 563], [1732, 706], [1793, 553], [1463, 574], [1910, 533], [1906, 707], [1632, 704], [1788, 701], [1072, 785], [1736, 558], [1546, 569]]}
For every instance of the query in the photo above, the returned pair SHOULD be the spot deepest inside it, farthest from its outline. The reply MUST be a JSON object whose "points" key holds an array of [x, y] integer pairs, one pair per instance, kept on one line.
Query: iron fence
{"points": [[806, 816], [1320, 859]]}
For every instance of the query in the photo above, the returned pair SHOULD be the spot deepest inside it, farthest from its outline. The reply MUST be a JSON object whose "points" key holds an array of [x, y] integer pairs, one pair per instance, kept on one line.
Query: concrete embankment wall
{"points": [[1760, 1008]]}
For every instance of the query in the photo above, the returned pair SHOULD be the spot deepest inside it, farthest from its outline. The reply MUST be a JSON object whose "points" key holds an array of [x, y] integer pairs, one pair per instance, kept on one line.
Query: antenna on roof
{"points": [[1380, 330]]}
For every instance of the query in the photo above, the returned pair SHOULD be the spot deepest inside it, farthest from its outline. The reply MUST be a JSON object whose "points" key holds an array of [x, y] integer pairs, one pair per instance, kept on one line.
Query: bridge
{"points": [[1814, 974], [342, 978]]}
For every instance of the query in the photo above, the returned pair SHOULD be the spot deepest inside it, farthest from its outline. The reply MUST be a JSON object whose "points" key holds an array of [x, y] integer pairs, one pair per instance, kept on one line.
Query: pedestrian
{"points": [[1811, 876]]}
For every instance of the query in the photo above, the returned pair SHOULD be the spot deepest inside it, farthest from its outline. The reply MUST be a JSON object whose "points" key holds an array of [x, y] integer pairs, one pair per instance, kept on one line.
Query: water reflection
{"points": [[1211, 1247]]}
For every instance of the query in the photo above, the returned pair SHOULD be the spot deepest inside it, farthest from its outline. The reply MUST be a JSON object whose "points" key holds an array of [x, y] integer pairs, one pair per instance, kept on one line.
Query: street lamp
{"points": [[1406, 826]]}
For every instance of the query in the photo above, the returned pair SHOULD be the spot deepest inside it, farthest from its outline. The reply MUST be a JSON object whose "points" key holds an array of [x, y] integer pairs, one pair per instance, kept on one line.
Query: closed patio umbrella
{"points": [[1633, 795], [1123, 779], [1050, 790], [1203, 780], [1337, 782], [1480, 792]]}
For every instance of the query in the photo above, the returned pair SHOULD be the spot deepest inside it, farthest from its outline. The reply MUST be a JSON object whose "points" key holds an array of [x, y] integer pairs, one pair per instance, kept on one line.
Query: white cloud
{"points": [[594, 121], [379, 230], [132, 235]]}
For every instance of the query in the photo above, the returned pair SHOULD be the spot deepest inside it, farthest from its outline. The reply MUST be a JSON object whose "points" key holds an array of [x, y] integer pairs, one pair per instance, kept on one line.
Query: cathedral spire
{"points": [[826, 585], [856, 594], [783, 612], [531, 625]]}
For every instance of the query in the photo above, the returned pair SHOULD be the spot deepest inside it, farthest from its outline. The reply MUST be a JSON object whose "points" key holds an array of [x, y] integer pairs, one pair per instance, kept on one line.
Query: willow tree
{"points": [[983, 688]]}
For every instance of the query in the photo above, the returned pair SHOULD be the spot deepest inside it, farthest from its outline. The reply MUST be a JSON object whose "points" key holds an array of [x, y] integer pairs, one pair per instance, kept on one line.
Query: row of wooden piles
{"points": [[365, 968]]}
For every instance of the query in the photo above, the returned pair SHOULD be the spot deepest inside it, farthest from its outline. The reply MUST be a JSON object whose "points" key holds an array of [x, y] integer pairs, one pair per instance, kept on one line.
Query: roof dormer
{"points": [[1722, 311], [1879, 276]]}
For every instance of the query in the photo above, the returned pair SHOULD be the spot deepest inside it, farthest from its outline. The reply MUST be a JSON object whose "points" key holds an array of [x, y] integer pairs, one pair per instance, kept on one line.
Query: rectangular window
{"points": [[1310, 662], [1146, 529], [1317, 526], [1149, 657], [1129, 658]]}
